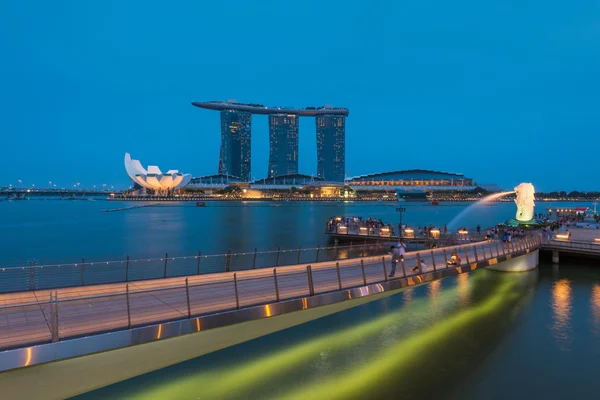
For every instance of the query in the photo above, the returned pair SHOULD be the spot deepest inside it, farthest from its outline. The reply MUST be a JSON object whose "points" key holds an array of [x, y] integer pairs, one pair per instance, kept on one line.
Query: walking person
{"points": [[395, 258]]}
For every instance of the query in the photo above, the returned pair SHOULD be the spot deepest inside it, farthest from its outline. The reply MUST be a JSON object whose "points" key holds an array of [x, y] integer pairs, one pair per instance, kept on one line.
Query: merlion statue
{"points": [[524, 201]]}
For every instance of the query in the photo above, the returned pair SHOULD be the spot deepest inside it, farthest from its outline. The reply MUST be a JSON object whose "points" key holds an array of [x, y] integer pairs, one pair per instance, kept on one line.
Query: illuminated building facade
{"points": [[283, 144], [283, 135], [331, 147], [234, 158]]}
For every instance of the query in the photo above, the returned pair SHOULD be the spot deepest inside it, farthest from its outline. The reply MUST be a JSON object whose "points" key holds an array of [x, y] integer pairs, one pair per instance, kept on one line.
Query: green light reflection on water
{"points": [[414, 332], [236, 379]]}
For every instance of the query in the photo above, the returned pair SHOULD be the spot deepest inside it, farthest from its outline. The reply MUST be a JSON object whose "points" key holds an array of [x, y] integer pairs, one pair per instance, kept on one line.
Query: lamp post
{"points": [[400, 210]]}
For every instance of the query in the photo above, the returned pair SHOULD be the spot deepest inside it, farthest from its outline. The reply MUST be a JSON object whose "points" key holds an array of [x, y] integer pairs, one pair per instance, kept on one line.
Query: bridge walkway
{"points": [[29, 318]]}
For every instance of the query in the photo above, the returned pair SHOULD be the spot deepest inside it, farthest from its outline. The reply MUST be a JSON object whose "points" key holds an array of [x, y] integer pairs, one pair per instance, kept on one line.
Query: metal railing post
{"points": [[166, 262], [54, 316], [228, 261], [299, 251], [237, 297], [446, 257], [497, 249], [82, 271], [127, 269], [339, 276], [254, 262], [31, 275], [128, 306], [419, 262], [433, 261], [362, 267], [385, 275], [187, 296], [276, 284], [278, 253], [483, 251], [311, 288], [476, 255], [198, 267], [466, 251], [318, 250]]}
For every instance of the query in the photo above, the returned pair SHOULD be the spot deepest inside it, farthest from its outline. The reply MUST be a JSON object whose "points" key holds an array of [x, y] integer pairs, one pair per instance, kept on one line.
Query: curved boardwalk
{"points": [[26, 317]]}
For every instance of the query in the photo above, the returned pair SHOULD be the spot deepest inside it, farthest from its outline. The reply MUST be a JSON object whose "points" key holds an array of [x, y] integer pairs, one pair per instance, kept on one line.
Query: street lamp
{"points": [[400, 210]]}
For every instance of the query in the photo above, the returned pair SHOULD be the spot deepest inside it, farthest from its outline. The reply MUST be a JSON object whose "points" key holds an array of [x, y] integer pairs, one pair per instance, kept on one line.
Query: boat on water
{"points": [[411, 195], [200, 204], [435, 203]]}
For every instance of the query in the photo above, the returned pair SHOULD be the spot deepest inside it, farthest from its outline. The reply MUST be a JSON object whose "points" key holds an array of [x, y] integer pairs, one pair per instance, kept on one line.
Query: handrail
{"points": [[175, 287]]}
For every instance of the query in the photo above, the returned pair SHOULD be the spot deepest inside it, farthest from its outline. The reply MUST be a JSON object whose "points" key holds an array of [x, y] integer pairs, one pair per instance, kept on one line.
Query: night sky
{"points": [[503, 91]]}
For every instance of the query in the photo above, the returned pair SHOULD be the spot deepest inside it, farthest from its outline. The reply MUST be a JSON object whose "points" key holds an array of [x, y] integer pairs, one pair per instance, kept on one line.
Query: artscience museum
{"points": [[153, 178]]}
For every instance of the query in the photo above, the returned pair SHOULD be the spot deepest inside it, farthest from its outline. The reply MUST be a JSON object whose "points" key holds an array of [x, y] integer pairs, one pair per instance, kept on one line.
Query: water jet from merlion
{"points": [[524, 201]]}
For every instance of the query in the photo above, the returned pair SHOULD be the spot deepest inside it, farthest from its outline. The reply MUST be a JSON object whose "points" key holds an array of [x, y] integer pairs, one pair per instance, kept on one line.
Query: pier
{"points": [[35, 321], [581, 242]]}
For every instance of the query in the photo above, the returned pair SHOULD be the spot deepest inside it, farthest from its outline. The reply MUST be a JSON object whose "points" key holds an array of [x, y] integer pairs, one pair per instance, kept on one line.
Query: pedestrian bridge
{"points": [[44, 325]]}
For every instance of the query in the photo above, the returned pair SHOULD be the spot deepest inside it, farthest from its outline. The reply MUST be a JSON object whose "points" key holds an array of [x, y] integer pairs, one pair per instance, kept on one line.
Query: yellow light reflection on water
{"points": [[595, 304], [464, 290], [433, 289], [561, 308]]}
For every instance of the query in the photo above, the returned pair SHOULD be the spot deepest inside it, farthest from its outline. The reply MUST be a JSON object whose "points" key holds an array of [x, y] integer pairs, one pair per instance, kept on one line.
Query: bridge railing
{"points": [[93, 272], [573, 244], [128, 305]]}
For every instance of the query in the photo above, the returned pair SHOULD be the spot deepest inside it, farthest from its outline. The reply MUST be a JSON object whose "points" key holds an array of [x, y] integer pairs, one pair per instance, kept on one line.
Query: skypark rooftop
{"points": [[260, 109]]}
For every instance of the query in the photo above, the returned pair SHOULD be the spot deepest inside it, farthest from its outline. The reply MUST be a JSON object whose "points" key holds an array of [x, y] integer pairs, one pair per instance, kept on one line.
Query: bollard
{"points": [[228, 261], [299, 250], [82, 271], [403, 269], [128, 307], [433, 261], [419, 262], [318, 249], [54, 316], [385, 275], [187, 295], [276, 284], [166, 261], [362, 267], [127, 269], [254, 262], [311, 287], [278, 252], [235, 286], [337, 268]]}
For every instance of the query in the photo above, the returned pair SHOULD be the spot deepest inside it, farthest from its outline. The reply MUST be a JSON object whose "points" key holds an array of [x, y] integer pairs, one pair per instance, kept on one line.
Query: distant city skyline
{"points": [[502, 97]]}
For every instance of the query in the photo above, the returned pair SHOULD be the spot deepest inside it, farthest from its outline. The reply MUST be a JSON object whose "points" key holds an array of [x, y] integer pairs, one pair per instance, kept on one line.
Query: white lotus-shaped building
{"points": [[154, 179]]}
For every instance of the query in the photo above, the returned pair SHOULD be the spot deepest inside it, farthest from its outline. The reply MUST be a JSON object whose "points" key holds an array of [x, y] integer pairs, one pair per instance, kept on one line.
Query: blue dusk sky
{"points": [[503, 91]]}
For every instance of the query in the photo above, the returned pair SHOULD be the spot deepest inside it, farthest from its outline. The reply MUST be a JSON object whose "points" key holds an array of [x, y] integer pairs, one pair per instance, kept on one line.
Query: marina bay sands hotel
{"points": [[236, 127]]}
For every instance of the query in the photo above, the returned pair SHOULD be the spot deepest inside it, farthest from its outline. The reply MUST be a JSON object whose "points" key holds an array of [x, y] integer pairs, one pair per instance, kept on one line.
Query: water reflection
{"points": [[561, 307], [595, 305], [464, 291]]}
